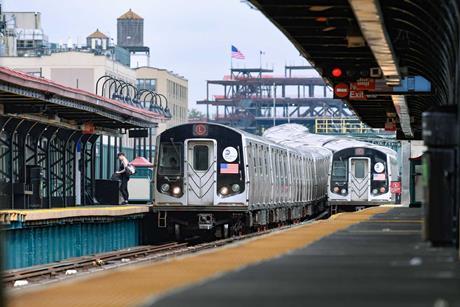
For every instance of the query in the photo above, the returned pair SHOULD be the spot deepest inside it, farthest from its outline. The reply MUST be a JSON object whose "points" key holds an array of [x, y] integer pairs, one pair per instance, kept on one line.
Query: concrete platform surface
{"points": [[378, 262], [26, 215]]}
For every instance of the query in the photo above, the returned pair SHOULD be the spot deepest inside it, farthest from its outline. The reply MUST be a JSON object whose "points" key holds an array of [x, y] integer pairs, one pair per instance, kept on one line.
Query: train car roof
{"points": [[300, 134], [315, 151]]}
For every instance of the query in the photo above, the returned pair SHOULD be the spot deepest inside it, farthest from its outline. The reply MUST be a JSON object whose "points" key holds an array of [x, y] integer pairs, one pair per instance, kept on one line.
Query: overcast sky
{"points": [[191, 38]]}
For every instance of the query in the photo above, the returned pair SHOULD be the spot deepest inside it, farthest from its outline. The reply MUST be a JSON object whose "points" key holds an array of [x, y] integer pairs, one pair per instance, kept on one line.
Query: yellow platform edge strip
{"points": [[59, 213], [138, 284]]}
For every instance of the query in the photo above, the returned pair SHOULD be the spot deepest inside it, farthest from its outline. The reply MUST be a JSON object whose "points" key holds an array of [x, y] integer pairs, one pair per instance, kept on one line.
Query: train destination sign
{"points": [[200, 130]]}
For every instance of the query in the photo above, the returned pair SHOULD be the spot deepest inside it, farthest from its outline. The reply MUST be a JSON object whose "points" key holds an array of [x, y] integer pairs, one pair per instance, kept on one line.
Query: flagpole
{"points": [[260, 59]]}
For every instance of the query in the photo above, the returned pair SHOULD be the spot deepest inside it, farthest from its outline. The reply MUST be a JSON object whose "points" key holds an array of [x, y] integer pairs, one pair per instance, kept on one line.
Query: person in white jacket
{"points": [[124, 177]]}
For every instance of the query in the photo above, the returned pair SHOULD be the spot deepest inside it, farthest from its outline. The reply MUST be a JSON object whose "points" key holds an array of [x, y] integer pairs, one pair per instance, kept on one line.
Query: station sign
{"points": [[359, 88], [138, 133], [363, 84], [357, 95], [341, 90]]}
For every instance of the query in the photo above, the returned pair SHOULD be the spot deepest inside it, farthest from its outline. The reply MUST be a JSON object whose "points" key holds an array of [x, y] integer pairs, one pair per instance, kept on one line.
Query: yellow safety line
{"points": [[113, 208], [134, 285]]}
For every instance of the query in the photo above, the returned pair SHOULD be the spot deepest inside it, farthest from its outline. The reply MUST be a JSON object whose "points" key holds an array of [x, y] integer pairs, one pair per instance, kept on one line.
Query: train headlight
{"points": [[374, 191], [382, 190], [164, 187], [223, 191], [336, 189], [236, 188], [176, 190], [344, 191]]}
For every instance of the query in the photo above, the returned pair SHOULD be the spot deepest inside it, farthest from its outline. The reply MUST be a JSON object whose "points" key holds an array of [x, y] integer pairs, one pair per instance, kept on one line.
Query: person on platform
{"points": [[124, 177]]}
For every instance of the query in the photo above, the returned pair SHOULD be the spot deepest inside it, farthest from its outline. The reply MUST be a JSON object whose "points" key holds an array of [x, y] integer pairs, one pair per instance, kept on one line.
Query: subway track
{"points": [[37, 273], [51, 272]]}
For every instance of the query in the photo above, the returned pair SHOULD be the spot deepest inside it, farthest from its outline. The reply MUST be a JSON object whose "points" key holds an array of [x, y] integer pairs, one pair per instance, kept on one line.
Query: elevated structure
{"points": [[379, 47], [253, 99], [392, 61]]}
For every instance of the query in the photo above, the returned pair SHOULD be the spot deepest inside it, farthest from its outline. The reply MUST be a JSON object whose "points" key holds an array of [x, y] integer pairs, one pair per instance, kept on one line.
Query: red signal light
{"points": [[336, 72]]}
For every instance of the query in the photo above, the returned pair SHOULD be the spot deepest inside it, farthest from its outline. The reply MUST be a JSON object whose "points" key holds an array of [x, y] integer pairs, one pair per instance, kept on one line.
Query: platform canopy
{"points": [[390, 40], [42, 100]]}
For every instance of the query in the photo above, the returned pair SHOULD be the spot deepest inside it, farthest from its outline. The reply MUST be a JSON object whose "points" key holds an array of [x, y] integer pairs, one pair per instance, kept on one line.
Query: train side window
{"points": [[281, 168], [267, 167], [277, 175], [254, 157], [262, 161], [200, 157]]}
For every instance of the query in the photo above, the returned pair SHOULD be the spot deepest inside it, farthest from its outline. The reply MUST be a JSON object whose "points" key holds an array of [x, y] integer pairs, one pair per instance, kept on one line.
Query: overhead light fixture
{"points": [[321, 19], [320, 8], [356, 41], [327, 29], [371, 22], [400, 104]]}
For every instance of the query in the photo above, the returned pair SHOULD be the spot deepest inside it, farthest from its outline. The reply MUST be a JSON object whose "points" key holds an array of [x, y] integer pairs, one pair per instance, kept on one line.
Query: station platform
{"points": [[371, 257], [379, 262], [39, 236], [34, 215]]}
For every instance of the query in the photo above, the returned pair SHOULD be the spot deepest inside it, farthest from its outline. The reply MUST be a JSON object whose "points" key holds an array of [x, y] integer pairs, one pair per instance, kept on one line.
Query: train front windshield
{"points": [[170, 159], [339, 171]]}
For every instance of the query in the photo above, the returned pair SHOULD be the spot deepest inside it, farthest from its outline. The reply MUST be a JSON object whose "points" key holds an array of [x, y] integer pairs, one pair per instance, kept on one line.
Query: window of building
{"points": [[147, 84]]}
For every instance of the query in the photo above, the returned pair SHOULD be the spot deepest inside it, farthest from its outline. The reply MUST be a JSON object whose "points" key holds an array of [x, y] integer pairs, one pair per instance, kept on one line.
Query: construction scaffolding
{"points": [[254, 99]]}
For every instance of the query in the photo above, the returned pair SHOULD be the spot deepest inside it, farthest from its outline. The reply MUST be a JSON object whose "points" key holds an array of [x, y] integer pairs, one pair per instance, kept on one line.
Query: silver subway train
{"points": [[360, 173], [213, 177]]}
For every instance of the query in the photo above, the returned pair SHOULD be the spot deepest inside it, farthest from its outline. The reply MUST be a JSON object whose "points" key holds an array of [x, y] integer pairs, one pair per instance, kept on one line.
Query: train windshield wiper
{"points": [[175, 148]]}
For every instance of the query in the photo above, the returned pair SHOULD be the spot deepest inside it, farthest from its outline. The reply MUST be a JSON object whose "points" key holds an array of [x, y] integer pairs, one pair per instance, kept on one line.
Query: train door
{"points": [[201, 171], [359, 183]]}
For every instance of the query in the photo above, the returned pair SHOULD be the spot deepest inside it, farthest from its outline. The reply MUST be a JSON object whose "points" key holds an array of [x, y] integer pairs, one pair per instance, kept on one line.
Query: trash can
{"points": [[439, 171], [140, 184]]}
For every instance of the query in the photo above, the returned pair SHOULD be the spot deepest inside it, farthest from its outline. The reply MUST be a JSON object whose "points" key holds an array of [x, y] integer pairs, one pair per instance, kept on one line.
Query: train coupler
{"points": [[205, 221]]}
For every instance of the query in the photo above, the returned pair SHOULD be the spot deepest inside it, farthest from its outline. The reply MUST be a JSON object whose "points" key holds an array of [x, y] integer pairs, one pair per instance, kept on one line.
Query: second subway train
{"points": [[210, 176], [360, 173]]}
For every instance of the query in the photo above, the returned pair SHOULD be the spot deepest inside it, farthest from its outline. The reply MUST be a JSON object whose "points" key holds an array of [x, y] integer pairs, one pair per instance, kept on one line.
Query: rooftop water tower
{"points": [[130, 36], [130, 30]]}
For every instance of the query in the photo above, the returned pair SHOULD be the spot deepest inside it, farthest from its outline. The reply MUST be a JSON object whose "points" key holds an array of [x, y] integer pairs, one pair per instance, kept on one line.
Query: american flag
{"points": [[229, 168], [237, 54], [379, 177]]}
